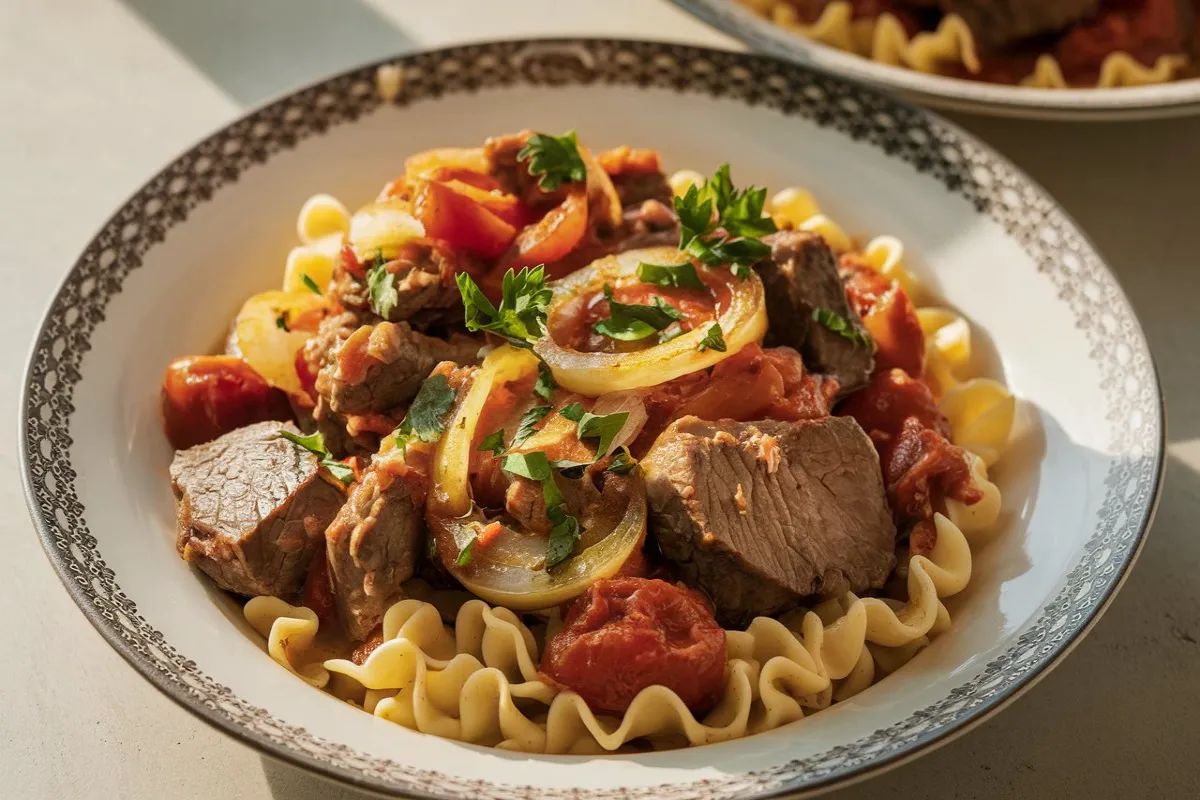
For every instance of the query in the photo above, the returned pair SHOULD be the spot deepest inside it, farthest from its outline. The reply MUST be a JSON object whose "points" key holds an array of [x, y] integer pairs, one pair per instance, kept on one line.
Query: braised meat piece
{"points": [[762, 514], [372, 546], [382, 366], [423, 274], [996, 23], [800, 277], [333, 330], [251, 507]]}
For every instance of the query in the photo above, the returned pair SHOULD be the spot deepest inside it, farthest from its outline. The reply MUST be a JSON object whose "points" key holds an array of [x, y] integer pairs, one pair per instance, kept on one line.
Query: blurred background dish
{"points": [[1054, 59]]}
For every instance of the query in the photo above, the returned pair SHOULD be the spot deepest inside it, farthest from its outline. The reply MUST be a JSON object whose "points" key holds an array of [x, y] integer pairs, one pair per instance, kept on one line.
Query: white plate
{"points": [[1176, 99], [164, 275]]}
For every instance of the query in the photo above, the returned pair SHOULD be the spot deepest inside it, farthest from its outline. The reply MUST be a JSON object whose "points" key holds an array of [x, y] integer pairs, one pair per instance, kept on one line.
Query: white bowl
{"points": [[163, 276]]}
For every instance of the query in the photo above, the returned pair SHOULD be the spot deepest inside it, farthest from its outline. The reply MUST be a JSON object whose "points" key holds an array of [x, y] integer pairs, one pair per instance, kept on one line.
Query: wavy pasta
{"points": [[951, 44], [476, 679]]}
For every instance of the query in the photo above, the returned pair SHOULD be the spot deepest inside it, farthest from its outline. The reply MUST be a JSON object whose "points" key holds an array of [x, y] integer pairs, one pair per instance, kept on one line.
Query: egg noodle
{"points": [[476, 680], [951, 44]]}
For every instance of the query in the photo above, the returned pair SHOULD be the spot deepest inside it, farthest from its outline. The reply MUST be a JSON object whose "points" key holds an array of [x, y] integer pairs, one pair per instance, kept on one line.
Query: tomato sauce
{"points": [[571, 324], [626, 634]]}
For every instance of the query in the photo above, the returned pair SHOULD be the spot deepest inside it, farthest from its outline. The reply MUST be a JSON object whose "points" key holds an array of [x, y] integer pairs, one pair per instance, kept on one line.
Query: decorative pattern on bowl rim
{"points": [[929, 145]]}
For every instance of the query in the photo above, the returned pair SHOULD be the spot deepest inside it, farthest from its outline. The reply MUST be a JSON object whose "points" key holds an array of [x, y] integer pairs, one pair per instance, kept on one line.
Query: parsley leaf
{"points": [[839, 325], [713, 339], [604, 427], [629, 323], [622, 462], [545, 385], [719, 224], [493, 442], [310, 283], [426, 417], [381, 288], [678, 276], [563, 535], [534, 466], [530, 418], [315, 444], [521, 317], [464, 555], [281, 322], [555, 158]]}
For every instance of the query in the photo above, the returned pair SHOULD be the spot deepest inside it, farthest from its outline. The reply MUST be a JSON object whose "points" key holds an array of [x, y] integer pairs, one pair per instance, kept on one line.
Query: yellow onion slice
{"points": [[743, 322], [511, 570]]}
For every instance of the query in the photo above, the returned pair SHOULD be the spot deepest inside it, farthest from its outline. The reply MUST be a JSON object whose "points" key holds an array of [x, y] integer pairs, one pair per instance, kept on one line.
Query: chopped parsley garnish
{"points": [[310, 283], [315, 444], [603, 427], [713, 339], [622, 462], [530, 418], [678, 276], [555, 158], [281, 322], [719, 224], [534, 466], [381, 288], [630, 323], [545, 385], [571, 469], [426, 417], [839, 325], [521, 317], [464, 555], [494, 442]]}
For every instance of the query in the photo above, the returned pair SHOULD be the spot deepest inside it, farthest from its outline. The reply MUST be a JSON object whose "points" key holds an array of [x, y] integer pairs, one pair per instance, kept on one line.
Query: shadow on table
{"points": [[255, 51]]}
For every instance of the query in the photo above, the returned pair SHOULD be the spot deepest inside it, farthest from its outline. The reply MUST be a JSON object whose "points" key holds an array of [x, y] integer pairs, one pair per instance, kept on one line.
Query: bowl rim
{"points": [[1174, 98], [535, 62]]}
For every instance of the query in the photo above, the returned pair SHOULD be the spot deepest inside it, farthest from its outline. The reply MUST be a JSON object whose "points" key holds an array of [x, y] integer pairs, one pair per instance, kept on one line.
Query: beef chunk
{"points": [[424, 279], [762, 514], [800, 276], [372, 547], [251, 508], [382, 366], [996, 23], [333, 330]]}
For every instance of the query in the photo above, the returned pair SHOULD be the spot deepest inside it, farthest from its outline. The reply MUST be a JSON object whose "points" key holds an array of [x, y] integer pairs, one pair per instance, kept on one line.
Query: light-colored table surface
{"points": [[97, 94]]}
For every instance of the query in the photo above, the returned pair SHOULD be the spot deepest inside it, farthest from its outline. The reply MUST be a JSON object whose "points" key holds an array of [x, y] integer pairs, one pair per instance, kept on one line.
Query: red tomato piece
{"points": [[891, 397], [626, 634], [888, 315], [460, 221], [204, 397], [552, 237]]}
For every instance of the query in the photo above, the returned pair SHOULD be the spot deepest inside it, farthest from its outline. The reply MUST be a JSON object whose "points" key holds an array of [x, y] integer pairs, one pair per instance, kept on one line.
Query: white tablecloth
{"points": [[97, 94]]}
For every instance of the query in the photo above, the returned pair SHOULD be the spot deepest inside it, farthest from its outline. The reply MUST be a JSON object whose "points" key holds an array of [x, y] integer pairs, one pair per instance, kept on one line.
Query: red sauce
{"points": [[888, 315], [751, 384], [921, 468], [626, 634], [571, 324], [1145, 29], [891, 397], [204, 397]]}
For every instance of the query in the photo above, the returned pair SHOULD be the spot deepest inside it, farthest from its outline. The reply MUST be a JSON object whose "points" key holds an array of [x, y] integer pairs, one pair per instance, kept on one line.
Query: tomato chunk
{"points": [[460, 221], [204, 397], [626, 634], [552, 237], [891, 397], [888, 315]]}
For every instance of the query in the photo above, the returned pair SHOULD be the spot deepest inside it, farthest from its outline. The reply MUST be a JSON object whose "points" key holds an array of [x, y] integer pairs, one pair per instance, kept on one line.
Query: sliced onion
{"points": [[743, 322], [511, 570], [382, 228], [616, 402]]}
